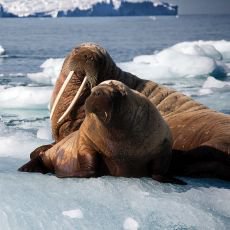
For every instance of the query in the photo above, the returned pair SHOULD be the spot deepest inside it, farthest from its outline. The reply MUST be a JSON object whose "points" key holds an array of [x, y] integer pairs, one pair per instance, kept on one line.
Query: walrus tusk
{"points": [[61, 92], [74, 100], [106, 115]]}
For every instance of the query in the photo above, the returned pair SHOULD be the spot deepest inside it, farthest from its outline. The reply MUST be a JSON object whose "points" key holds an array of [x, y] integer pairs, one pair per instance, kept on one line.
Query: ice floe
{"points": [[186, 59], [25, 97], [17, 143], [212, 84], [50, 71]]}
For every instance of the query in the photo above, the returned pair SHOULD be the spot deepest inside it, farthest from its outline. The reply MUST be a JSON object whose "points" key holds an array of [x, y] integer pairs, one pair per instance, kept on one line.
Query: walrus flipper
{"points": [[38, 151], [34, 165], [160, 167], [204, 161]]}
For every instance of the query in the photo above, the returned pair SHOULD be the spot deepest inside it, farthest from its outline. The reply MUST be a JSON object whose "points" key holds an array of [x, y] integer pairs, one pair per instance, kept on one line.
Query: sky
{"points": [[202, 6]]}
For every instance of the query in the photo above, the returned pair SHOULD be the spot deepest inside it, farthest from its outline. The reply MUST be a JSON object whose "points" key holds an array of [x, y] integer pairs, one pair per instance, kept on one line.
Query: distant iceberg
{"points": [[77, 8]]}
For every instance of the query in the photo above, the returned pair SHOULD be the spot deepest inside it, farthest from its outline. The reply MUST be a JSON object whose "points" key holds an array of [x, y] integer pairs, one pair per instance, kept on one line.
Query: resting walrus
{"points": [[123, 134], [201, 136]]}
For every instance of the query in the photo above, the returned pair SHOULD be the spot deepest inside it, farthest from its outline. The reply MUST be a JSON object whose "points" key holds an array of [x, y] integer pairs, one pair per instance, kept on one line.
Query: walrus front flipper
{"points": [[34, 165], [40, 150], [168, 179]]}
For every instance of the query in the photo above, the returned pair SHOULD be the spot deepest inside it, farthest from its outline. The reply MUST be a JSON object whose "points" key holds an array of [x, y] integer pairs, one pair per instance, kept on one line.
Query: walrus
{"points": [[201, 136], [123, 134]]}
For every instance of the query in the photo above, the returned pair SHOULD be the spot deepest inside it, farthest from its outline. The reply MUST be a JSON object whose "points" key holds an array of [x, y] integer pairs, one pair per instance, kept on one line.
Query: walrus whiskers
{"points": [[74, 100], [60, 93]]}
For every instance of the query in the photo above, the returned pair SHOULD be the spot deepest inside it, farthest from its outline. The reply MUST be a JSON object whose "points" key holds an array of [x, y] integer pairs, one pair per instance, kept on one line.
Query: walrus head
{"points": [[87, 63], [106, 99]]}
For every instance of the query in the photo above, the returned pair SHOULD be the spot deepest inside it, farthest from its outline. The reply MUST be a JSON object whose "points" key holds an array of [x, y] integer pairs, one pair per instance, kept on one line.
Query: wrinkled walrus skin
{"points": [[201, 136], [123, 134]]}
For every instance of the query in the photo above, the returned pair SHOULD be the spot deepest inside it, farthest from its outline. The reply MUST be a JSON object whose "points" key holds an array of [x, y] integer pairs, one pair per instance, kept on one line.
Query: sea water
{"points": [[188, 53]]}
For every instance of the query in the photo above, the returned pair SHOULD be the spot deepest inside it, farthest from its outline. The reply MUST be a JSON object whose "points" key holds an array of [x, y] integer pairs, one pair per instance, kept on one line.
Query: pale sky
{"points": [[202, 6]]}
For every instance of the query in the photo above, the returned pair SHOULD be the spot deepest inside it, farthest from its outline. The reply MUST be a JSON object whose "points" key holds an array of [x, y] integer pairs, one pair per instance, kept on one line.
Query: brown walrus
{"points": [[201, 136], [123, 134]]}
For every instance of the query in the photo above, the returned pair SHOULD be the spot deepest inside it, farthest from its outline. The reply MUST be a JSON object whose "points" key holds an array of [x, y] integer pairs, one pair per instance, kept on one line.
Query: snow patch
{"points": [[76, 213], [130, 224]]}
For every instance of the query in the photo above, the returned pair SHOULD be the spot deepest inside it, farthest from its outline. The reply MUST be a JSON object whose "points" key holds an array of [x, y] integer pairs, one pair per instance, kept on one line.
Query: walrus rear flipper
{"points": [[34, 165], [204, 161], [40, 150]]}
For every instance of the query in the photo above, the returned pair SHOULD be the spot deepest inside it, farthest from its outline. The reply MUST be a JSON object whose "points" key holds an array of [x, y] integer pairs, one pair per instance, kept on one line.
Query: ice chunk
{"points": [[25, 97], [198, 49], [51, 69], [2, 51], [212, 84], [17, 143], [169, 63], [186, 59], [130, 224], [76, 213]]}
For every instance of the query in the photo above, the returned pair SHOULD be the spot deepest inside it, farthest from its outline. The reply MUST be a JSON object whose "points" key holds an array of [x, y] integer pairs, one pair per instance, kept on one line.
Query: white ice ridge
{"points": [[186, 59], [23, 8], [76, 213], [25, 97], [212, 84], [130, 224]]}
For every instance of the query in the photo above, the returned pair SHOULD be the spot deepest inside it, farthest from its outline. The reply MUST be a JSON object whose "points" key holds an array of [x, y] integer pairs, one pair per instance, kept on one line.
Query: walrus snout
{"points": [[99, 103]]}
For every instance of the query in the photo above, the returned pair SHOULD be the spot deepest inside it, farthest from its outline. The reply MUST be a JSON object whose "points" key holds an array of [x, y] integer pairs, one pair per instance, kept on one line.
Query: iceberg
{"points": [[79, 8]]}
